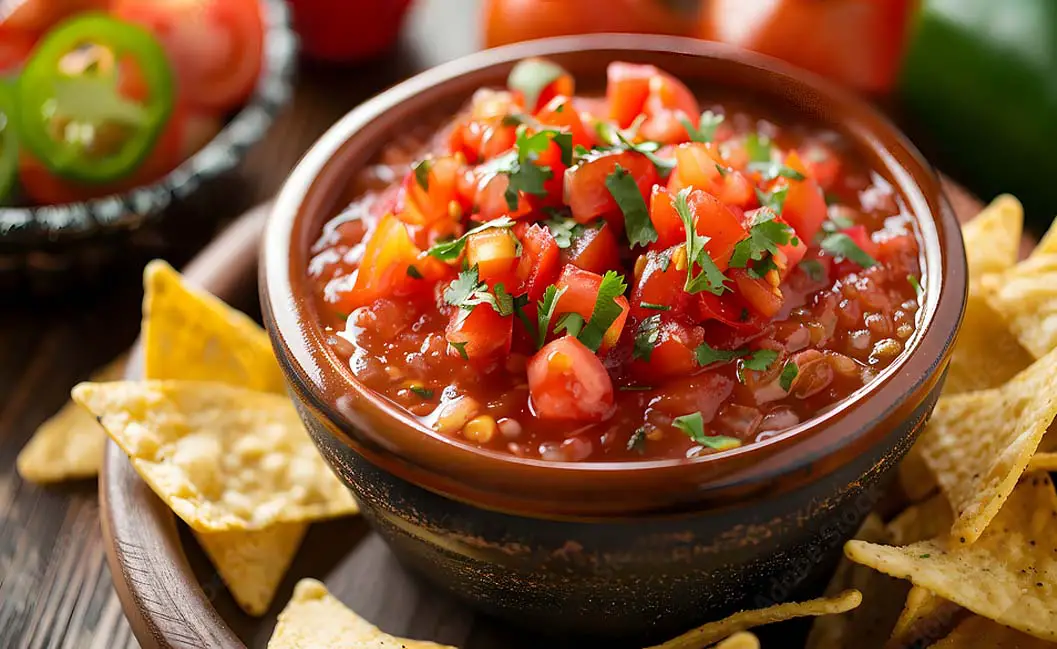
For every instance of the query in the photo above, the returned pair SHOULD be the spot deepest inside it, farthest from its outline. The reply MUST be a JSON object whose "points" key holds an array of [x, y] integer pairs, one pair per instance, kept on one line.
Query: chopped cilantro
{"points": [[646, 337], [605, 312], [664, 259], [664, 166], [765, 235], [706, 127], [705, 354], [654, 307], [570, 323], [836, 223], [520, 165], [414, 272], [771, 170], [634, 388], [546, 312], [722, 170], [425, 393], [519, 310], [789, 373], [694, 427], [924, 556], [916, 284], [760, 360], [637, 441], [451, 249], [842, 246], [710, 278], [774, 200], [813, 269], [421, 170], [461, 348], [467, 291], [564, 230], [625, 192], [531, 76], [758, 146]]}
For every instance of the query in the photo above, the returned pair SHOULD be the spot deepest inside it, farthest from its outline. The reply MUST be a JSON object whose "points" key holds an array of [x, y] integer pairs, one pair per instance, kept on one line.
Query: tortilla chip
{"points": [[713, 631], [223, 458], [1026, 297], [1043, 462], [866, 626], [979, 443], [740, 640], [69, 445], [925, 520], [992, 237], [1009, 575], [315, 619], [915, 477], [1048, 243], [925, 617], [980, 633], [252, 564], [190, 335]]}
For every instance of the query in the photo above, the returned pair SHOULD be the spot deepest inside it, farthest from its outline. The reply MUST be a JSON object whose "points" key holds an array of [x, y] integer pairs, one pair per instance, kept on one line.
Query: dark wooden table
{"points": [[55, 588]]}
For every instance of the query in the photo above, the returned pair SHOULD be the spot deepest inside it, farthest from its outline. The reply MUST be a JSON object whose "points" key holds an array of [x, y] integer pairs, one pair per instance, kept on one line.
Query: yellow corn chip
{"points": [[866, 626], [1026, 297], [315, 619], [709, 633], [915, 477], [740, 640], [992, 237], [1009, 575], [223, 458], [980, 633], [251, 564], [69, 445], [1043, 462], [923, 521], [1048, 243], [190, 335], [979, 443]]}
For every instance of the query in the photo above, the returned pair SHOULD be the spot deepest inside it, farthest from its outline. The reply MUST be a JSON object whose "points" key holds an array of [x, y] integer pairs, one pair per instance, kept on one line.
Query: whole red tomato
{"points": [[347, 30], [510, 21]]}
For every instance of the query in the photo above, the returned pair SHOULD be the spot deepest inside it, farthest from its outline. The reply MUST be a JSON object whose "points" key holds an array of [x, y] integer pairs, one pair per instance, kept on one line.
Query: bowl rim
{"points": [[391, 438], [146, 204]]}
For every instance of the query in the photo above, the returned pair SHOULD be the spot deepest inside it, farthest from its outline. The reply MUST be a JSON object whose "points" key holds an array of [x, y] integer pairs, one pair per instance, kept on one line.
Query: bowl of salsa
{"points": [[612, 323]]}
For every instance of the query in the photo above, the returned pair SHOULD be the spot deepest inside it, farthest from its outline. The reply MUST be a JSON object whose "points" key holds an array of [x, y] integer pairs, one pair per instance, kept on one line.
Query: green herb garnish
{"points": [[706, 127], [789, 373], [531, 76], [916, 284], [774, 200], [637, 441], [654, 307], [646, 335], [760, 360], [546, 312], [842, 246], [451, 249], [758, 146], [564, 230], [414, 272], [706, 355], [425, 393], [771, 170], [605, 312], [709, 278], [421, 170], [625, 192], [813, 269], [694, 427], [461, 348], [765, 235]]}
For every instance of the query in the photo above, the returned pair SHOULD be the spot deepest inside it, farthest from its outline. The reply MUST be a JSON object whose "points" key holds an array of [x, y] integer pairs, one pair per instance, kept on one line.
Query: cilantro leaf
{"points": [[706, 355], [774, 200], [710, 278], [842, 246], [605, 312], [637, 441], [813, 269], [504, 301], [916, 284], [664, 166], [564, 230], [451, 249], [765, 235], [694, 427], [546, 312], [771, 170], [654, 307], [760, 360], [423, 392], [463, 287], [625, 192], [421, 170], [646, 337], [461, 348], [531, 76], [706, 127], [414, 272], [570, 323], [789, 373], [836, 223], [758, 146]]}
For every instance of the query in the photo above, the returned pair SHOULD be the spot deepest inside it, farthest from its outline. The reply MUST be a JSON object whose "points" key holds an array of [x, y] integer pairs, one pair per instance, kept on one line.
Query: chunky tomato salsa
{"points": [[619, 278]]}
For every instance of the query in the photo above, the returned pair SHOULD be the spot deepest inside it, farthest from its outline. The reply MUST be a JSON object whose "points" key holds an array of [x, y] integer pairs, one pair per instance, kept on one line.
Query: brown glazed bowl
{"points": [[635, 551]]}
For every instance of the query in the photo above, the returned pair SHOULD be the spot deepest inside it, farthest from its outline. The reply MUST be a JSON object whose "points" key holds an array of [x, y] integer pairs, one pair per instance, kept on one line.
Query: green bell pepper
{"points": [[980, 79]]}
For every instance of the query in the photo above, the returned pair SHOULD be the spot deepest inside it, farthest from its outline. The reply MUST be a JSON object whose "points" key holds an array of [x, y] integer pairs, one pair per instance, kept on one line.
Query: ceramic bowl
{"points": [[632, 551], [48, 248]]}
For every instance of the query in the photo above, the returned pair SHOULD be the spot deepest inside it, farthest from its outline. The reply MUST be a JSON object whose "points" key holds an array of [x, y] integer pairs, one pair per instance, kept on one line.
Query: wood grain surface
{"points": [[55, 588]]}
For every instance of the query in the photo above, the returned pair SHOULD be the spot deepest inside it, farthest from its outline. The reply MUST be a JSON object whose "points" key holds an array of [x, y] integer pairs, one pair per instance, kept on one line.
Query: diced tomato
{"points": [[673, 352], [567, 381], [551, 158], [728, 309], [669, 102], [758, 293], [494, 253], [581, 294], [627, 88], [700, 165], [595, 250], [561, 112], [661, 283], [821, 163], [429, 206], [789, 254], [861, 237], [385, 268], [585, 184], [483, 334], [491, 199], [711, 217], [563, 86], [805, 205], [538, 267]]}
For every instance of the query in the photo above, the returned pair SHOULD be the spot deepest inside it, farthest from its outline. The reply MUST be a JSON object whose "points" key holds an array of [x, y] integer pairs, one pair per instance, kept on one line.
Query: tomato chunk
{"points": [[585, 184], [567, 381], [805, 205], [660, 283], [538, 266], [700, 165], [482, 333], [494, 253], [668, 104], [561, 112], [595, 250], [580, 295], [627, 88], [673, 352], [758, 293]]}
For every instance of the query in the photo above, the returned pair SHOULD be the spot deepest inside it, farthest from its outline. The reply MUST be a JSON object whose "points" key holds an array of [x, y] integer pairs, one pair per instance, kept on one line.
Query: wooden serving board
{"points": [[173, 596]]}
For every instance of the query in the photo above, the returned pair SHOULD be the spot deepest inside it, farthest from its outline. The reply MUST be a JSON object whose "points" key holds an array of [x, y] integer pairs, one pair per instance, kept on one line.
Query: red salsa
{"points": [[619, 278]]}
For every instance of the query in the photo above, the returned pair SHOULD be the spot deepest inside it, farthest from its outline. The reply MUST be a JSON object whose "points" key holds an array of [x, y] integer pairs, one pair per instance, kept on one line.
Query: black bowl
{"points": [[628, 552], [48, 248]]}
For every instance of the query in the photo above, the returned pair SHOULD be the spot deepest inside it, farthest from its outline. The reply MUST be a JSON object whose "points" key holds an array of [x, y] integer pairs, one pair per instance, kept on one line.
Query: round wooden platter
{"points": [[174, 598]]}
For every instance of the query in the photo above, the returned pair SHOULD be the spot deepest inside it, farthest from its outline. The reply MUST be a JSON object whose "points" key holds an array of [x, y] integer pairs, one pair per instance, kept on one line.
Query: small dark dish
{"points": [[632, 551], [49, 247]]}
